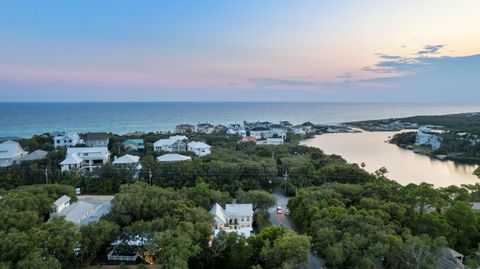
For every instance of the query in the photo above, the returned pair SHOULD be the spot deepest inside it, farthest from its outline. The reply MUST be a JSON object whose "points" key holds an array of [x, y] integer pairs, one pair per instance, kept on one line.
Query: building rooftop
{"points": [[239, 209], [97, 136], [36, 155], [62, 200], [173, 158], [198, 145], [11, 149], [127, 159]]}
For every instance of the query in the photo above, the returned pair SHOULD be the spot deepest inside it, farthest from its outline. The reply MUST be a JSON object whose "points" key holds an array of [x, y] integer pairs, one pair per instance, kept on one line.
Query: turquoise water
{"points": [[26, 119]]}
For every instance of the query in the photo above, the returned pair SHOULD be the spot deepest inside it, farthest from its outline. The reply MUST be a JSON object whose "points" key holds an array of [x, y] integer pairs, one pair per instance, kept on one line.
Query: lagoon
{"points": [[404, 166]]}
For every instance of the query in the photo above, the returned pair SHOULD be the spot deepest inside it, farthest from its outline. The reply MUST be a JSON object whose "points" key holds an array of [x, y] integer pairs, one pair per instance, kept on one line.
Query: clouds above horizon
{"points": [[275, 50]]}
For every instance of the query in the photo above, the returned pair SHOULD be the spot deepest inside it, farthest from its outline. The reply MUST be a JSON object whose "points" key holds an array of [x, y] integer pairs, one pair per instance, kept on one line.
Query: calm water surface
{"points": [[403, 165], [27, 119]]}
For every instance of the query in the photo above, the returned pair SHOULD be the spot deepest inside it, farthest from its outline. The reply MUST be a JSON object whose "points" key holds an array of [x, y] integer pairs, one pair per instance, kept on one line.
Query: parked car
{"points": [[279, 210]]}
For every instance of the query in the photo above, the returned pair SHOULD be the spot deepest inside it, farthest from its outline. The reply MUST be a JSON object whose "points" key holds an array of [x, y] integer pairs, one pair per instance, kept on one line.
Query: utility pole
{"points": [[273, 155], [150, 176], [285, 178], [46, 175]]}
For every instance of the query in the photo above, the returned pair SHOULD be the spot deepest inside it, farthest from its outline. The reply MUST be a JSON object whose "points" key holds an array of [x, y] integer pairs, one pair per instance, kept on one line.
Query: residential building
{"points": [[260, 133], [199, 148], [173, 157], [129, 249], [451, 259], [130, 162], [80, 212], [298, 130], [10, 151], [85, 159], [99, 139], [235, 218], [127, 160], [426, 137], [67, 140], [134, 144], [277, 130], [175, 143], [33, 156], [236, 129], [205, 128], [185, 129]]}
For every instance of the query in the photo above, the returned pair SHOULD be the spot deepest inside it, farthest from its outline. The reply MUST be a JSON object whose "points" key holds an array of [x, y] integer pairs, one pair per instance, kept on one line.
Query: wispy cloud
{"points": [[430, 49], [264, 82]]}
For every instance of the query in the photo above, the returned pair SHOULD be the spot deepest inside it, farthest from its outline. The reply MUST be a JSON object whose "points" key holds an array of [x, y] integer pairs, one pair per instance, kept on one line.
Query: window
{"points": [[58, 141], [248, 218]]}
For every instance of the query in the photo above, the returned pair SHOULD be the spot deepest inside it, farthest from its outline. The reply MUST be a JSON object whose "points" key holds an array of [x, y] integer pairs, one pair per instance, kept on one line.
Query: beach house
{"points": [[185, 129], [67, 140], [99, 139], [235, 218], [173, 157], [10, 151], [80, 212], [199, 148], [175, 143], [85, 159]]}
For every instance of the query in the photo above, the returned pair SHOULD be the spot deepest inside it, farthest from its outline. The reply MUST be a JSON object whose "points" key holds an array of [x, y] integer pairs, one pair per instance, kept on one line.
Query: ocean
{"points": [[27, 119]]}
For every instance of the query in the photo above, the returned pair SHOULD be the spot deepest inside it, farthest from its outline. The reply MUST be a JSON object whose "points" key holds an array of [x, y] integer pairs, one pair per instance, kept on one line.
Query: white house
{"points": [[236, 129], [199, 148], [271, 141], [10, 151], [277, 130], [67, 140], [173, 144], [81, 212], [236, 218], [298, 130], [85, 159], [173, 157], [426, 137]]}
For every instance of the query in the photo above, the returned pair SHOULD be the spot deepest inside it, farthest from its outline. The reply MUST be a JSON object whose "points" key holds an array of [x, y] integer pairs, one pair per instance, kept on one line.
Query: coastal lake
{"points": [[404, 166]]}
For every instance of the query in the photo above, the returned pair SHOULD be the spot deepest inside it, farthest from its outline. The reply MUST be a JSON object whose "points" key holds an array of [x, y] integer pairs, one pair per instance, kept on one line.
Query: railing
{"points": [[112, 257]]}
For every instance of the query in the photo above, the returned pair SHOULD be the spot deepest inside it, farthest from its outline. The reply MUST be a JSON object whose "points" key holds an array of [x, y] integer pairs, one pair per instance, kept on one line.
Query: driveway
{"points": [[281, 220]]}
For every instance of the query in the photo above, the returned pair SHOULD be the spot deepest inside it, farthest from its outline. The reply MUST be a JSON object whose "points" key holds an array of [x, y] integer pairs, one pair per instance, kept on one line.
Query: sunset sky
{"points": [[270, 50]]}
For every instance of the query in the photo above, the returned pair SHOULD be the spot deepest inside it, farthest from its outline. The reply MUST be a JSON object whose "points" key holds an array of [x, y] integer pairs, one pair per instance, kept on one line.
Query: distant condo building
{"points": [[185, 129]]}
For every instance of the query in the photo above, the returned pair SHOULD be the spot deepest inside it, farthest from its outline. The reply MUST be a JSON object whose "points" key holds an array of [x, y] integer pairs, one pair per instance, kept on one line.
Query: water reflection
{"points": [[403, 165]]}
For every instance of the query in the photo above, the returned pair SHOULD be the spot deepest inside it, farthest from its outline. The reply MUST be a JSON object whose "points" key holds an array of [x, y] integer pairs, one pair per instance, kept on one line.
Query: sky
{"points": [[269, 50]]}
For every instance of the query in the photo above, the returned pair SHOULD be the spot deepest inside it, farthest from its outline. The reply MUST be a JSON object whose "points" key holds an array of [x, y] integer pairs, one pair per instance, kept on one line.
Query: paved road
{"points": [[281, 220]]}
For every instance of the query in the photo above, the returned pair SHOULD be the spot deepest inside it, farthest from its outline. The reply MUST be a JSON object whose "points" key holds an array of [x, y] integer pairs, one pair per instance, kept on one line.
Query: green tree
{"points": [[261, 200]]}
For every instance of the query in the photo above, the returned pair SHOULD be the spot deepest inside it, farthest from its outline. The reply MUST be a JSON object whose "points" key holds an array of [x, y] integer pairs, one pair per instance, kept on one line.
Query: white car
{"points": [[279, 210]]}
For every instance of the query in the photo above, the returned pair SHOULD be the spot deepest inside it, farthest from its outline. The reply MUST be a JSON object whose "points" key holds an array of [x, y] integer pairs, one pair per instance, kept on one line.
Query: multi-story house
{"points": [[67, 140], [85, 159], [185, 129], [199, 148], [100, 139], [10, 151], [237, 218]]}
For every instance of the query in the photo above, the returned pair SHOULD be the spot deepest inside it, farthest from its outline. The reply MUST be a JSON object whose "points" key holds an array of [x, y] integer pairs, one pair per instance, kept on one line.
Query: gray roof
{"points": [[82, 212], [97, 136], [36, 155]]}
